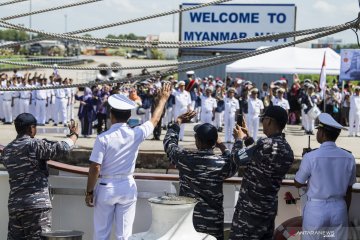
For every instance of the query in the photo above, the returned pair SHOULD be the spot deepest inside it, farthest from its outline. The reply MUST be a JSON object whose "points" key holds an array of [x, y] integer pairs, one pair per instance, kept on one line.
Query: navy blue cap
{"points": [[277, 113], [25, 119], [206, 132]]}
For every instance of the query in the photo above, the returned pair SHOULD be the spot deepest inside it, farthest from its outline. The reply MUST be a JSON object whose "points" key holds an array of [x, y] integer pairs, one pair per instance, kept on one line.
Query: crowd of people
{"points": [[221, 102]]}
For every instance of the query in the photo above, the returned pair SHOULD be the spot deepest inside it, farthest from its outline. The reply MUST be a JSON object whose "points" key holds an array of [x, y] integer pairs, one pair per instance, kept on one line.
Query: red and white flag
{"points": [[323, 76]]}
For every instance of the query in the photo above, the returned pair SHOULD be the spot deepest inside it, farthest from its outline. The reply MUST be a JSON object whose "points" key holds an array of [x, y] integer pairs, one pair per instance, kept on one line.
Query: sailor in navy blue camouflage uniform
{"points": [[25, 160], [202, 173], [266, 163]]}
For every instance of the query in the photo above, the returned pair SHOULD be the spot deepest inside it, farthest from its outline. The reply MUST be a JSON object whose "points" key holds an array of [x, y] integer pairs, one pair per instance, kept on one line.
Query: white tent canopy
{"points": [[289, 60]]}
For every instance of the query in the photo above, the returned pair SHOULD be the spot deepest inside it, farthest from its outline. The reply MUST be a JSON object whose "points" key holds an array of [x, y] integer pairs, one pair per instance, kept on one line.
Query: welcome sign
{"points": [[235, 21]]}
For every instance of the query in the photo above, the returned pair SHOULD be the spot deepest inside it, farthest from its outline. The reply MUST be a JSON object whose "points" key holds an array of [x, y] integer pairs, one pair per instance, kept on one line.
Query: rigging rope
{"points": [[130, 20], [12, 2], [176, 45], [49, 9], [234, 57]]}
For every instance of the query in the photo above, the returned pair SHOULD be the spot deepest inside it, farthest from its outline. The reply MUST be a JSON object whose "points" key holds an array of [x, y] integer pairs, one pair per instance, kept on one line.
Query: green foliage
{"points": [[129, 36], [156, 54], [13, 35]]}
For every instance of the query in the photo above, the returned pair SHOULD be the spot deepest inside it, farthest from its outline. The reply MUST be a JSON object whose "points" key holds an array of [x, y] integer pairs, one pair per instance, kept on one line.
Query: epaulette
{"points": [[307, 150], [346, 150]]}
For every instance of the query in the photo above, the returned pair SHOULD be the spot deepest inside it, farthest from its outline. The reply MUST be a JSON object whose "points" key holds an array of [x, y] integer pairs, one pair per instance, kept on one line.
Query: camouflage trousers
{"points": [[247, 226], [26, 225]]}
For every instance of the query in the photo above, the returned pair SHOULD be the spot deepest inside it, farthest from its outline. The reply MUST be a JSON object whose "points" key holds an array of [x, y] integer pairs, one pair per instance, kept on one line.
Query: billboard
{"points": [[350, 64], [233, 21]]}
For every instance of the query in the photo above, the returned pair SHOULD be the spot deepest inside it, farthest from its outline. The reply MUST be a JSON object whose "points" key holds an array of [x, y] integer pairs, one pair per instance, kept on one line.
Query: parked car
{"points": [[138, 53]]}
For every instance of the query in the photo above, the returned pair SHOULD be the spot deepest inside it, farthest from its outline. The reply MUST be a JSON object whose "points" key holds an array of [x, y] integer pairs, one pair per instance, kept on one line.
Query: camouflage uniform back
{"points": [[201, 176], [29, 203], [267, 162]]}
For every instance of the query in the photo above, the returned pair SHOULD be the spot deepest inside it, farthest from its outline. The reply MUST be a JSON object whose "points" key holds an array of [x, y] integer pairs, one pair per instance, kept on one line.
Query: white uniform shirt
{"points": [[8, 95], [281, 103], [355, 103], [329, 171], [231, 105], [61, 93], [16, 93], [42, 94], [255, 106], [182, 100], [117, 149], [25, 94], [208, 104]]}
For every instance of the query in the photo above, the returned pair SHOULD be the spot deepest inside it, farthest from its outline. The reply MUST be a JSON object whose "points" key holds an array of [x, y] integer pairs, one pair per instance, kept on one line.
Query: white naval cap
{"points": [[190, 73], [121, 102], [357, 88], [328, 122]]}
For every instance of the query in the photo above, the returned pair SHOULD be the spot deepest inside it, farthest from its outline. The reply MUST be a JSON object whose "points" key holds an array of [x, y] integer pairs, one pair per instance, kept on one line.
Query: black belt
{"points": [[40, 99], [60, 97], [7, 100], [25, 98]]}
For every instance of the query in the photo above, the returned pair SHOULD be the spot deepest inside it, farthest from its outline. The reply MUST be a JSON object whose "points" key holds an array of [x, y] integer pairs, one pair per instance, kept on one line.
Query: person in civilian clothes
{"points": [[25, 160], [329, 173], [111, 187], [86, 113], [201, 173]]}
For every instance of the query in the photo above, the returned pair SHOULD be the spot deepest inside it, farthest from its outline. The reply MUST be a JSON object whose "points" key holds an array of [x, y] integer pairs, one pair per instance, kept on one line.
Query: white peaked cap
{"points": [[326, 120], [121, 102]]}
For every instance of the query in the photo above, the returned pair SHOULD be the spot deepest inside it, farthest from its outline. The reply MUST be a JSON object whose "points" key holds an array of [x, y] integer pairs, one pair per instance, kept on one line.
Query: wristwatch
{"points": [[73, 133]]}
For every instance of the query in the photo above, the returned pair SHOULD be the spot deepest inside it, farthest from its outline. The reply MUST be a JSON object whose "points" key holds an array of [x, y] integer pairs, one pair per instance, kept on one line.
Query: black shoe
{"points": [[60, 122], [55, 125], [7, 123], [65, 125], [46, 122], [220, 129]]}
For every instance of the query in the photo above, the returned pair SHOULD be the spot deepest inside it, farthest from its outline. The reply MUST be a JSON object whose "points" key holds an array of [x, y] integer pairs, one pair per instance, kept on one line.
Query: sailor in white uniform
{"points": [[182, 105], [16, 95], [42, 99], [208, 105], [255, 108], [329, 173], [61, 100], [280, 100], [7, 104], [354, 113], [113, 160], [231, 111], [25, 96]]}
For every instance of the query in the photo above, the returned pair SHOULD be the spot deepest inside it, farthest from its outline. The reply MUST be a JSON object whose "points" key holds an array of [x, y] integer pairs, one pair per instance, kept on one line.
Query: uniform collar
{"points": [[25, 136], [328, 144], [118, 125]]}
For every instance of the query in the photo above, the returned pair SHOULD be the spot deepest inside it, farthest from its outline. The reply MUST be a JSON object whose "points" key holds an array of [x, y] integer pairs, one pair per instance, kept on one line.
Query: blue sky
{"points": [[310, 13]]}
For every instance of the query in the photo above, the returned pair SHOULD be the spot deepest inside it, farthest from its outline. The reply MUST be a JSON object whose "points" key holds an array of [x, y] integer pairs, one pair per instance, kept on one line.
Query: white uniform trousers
{"points": [[24, 105], [71, 114], [328, 216], [354, 122], [168, 117], [206, 117], [115, 203], [15, 108], [303, 121], [2, 115], [253, 125], [50, 111], [219, 116], [229, 124], [41, 111], [198, 112], [60, 108], [32, 106], [178, 112], [309, 123], [7, 111]]}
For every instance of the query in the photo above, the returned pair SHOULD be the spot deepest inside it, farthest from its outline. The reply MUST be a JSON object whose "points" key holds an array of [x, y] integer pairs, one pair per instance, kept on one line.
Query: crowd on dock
{"points": [[221, 102]]}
